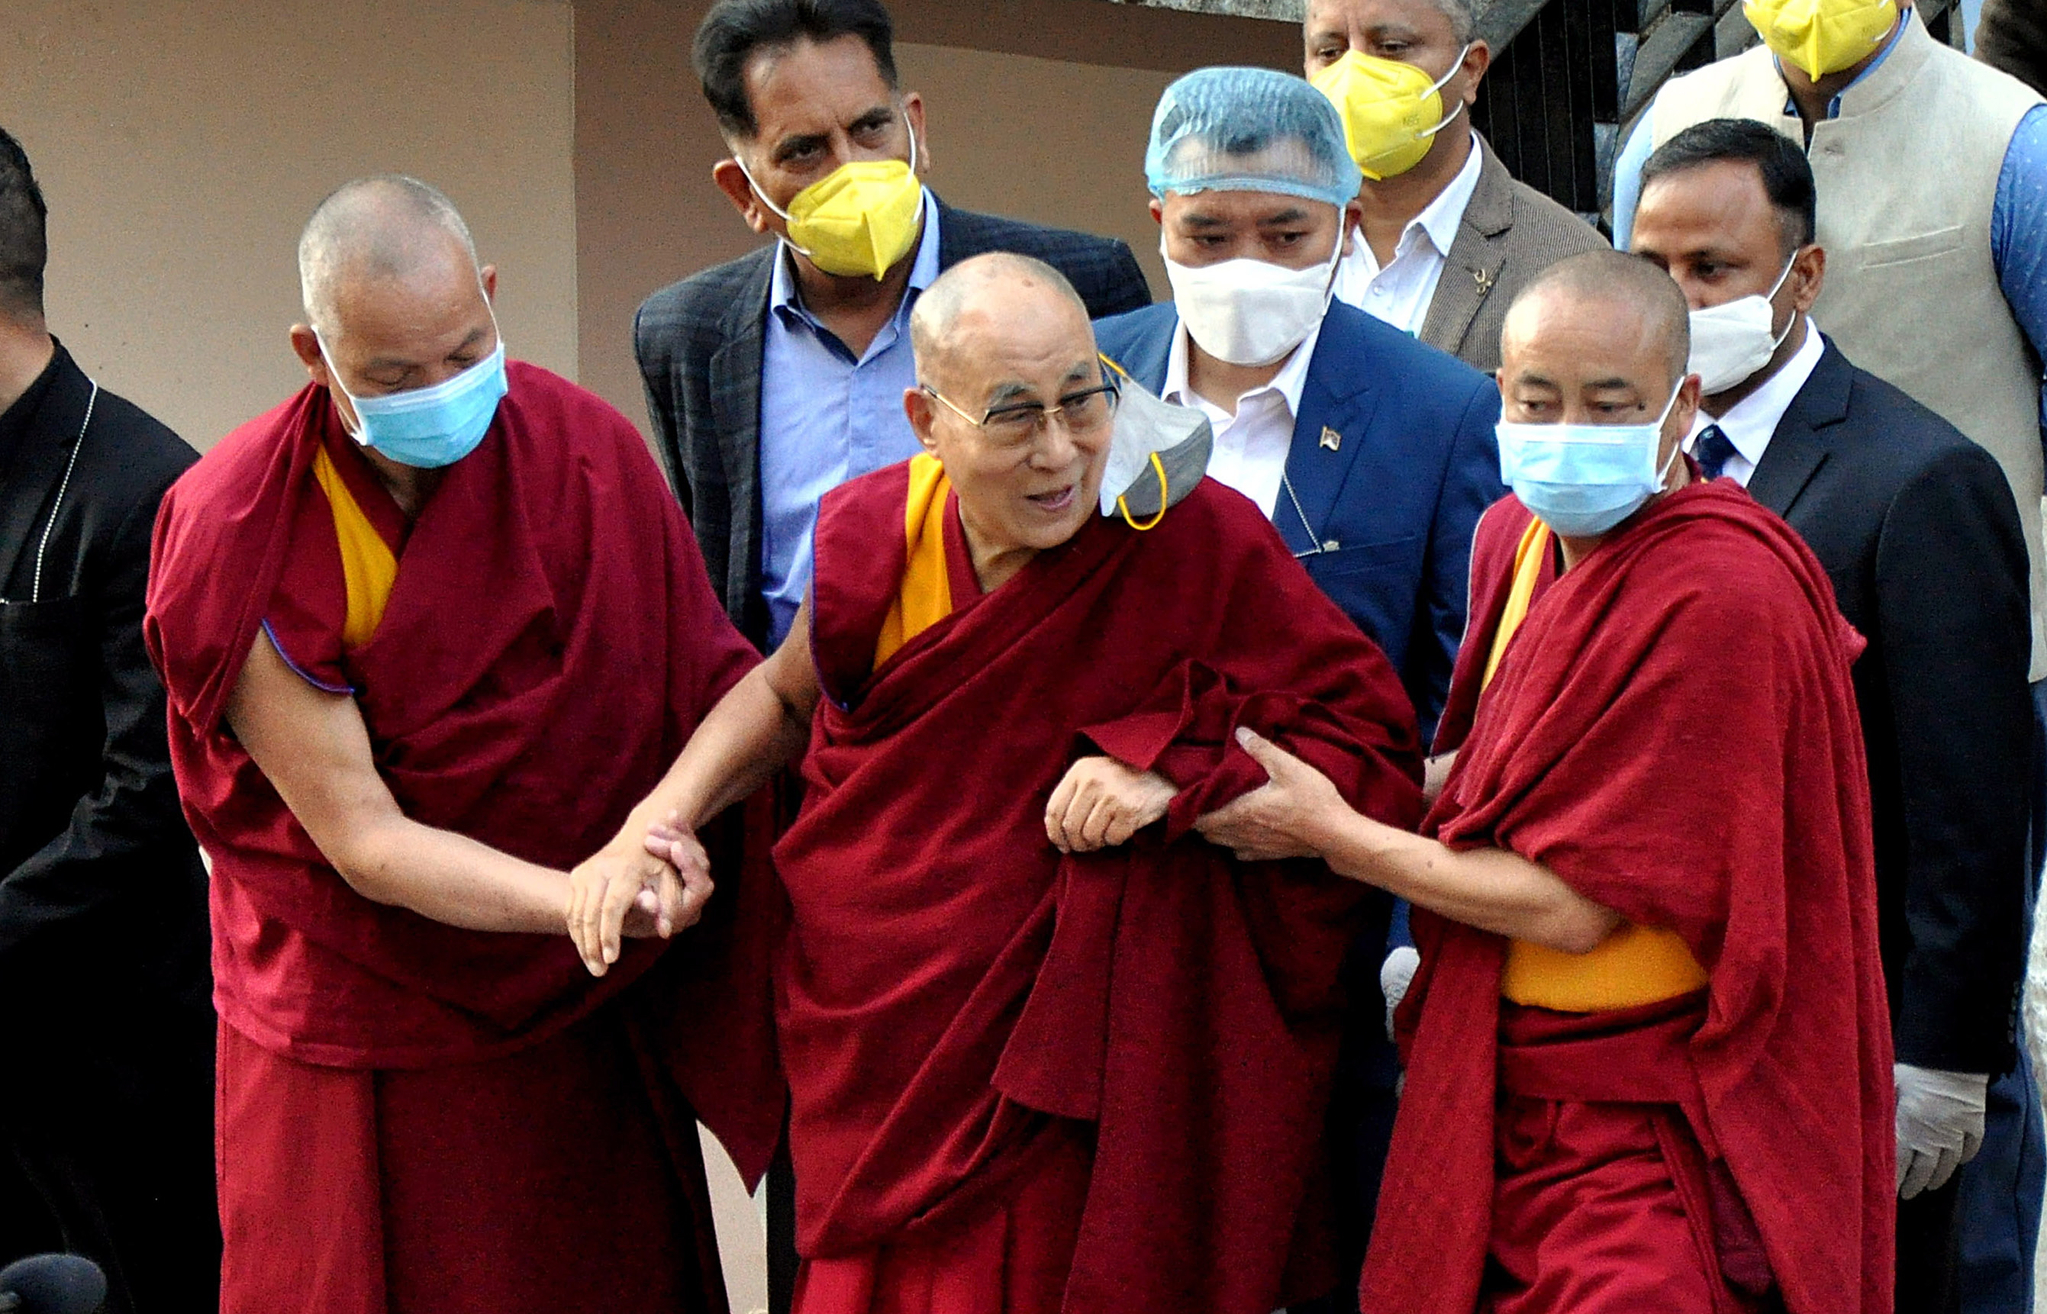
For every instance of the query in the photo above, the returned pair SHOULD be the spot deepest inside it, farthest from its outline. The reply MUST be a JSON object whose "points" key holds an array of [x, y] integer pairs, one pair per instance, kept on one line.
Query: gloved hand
{"points": [[1940, 1125], [1396, 974]]}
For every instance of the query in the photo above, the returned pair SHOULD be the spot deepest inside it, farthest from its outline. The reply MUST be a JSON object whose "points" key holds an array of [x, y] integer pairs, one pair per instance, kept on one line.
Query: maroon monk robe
{"points": [[415, 1116], [1673, 732], [965, 1014]]}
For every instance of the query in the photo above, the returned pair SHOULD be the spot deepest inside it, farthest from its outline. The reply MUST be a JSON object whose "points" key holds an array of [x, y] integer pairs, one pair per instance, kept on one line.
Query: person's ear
{"points": [[920, 412], [305, 344], [913, 110], [731, 180], [1689, 395], [1158, 211], [488, 275], [1353, 223], [1808, 276], [1476, 61]]}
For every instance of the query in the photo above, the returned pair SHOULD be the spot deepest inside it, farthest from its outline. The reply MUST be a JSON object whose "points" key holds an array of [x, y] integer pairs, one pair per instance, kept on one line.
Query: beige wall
{"points": [[996, 147], [181, 144]]}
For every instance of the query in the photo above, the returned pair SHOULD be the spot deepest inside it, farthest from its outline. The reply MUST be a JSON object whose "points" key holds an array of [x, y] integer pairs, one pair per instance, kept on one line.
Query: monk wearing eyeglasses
{"points": [[1046, 1049]]}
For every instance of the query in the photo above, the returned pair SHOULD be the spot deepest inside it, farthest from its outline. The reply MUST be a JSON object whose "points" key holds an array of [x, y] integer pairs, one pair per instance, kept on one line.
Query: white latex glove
{"points": [[1940, 1125], [1396, 974]]}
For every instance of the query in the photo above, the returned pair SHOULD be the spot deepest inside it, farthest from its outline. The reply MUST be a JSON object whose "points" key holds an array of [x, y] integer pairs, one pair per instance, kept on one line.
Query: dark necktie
{"points": [[1713, 451]]}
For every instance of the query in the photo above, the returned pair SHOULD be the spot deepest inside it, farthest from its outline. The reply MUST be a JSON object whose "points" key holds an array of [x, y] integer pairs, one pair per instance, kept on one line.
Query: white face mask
{"points": [[1250, 312], [1730, 342]]}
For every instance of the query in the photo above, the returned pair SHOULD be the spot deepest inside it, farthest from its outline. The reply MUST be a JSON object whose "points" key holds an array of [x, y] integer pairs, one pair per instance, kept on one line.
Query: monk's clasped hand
{"points": [[1281, 817], [1100, 802], [628, 891]]}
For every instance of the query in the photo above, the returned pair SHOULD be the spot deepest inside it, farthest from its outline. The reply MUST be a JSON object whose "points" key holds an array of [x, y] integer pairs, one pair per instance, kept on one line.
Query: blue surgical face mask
{"points": [[1583, 479], [430, 427]]}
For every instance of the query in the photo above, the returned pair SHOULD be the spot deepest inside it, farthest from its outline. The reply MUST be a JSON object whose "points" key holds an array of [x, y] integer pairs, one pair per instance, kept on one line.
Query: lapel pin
{"points": [[1331, 440], [1484, 279]]}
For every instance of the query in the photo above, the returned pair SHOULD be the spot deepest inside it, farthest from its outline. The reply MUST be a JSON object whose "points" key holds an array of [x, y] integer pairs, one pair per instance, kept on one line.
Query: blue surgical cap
{"points": [[1249, 130]]}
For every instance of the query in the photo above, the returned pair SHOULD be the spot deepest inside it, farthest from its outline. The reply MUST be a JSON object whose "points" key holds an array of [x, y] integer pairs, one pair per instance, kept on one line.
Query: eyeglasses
{"points": [[1082, 412]]}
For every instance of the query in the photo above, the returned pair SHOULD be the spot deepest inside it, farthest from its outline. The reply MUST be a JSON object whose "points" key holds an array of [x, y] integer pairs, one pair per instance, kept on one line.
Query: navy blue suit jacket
{"points": [[1391, 509]]}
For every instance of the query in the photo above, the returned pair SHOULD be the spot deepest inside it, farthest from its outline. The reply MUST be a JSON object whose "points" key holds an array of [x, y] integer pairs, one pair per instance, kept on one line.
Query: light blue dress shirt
{"points": [[826, 418], [2018, 215]]}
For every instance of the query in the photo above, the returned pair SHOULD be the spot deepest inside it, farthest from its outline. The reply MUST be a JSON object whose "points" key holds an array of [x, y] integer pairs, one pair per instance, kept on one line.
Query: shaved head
{"points": [[387, 228], [1643, 298], [985, 287], [1601, 339], [1006, 331]]}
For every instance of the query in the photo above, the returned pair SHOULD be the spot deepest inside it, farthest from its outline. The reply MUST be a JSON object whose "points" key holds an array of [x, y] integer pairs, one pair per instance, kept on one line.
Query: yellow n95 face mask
{"points": [[858, 220], [1822, 36], [1391, 111]]}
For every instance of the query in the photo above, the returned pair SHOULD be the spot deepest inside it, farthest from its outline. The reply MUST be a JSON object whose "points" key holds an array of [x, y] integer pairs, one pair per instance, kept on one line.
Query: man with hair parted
{"points": [[1648, 1060], [1048, 1050], [1447, 236], [776, 377], [1892, 499], [106, 1088], [429, 629]]}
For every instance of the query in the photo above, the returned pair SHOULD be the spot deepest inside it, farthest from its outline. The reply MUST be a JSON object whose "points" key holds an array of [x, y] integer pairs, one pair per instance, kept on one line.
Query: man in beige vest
{"points": [[1448, 237], [1932, 181]]}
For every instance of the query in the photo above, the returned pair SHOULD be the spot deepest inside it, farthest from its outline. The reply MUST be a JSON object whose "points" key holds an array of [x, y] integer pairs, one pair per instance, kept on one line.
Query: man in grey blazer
{"points": [[1449, 237], [771, 379]]}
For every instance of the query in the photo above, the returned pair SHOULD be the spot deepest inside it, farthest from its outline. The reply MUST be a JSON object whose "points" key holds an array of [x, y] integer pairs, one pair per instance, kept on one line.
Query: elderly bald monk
{"points": [[429, 630], [1648, 1055], [1047, 1050]]}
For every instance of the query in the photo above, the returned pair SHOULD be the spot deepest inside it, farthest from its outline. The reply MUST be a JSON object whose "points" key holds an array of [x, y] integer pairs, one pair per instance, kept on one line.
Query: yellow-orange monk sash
{"points": [[368, 568], [925, 597], [1635, 965]]}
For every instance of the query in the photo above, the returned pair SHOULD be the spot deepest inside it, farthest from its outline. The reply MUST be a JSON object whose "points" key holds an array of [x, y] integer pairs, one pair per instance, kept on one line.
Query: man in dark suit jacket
{"points": [[106, 1020], [1920, 535], [1372, 453], [768, 378], [1447, 243]]}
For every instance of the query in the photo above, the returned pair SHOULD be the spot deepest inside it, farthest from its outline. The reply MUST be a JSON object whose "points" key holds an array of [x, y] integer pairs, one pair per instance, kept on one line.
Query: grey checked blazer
{"points": [[700, 344], [1510, 233]]}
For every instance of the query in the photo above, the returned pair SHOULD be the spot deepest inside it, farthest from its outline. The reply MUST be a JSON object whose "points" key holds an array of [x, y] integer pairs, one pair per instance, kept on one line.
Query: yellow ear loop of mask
{"points": [[1164, 492]]}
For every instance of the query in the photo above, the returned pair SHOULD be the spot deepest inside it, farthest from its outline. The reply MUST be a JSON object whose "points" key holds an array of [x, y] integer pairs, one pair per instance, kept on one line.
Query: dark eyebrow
{"points": [[877, 117], [788, 146], [1611, 385], [1293, 214], [1198, 220]]}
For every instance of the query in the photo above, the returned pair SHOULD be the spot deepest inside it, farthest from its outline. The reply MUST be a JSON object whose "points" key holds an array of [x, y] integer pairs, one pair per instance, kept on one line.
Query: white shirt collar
{"points": [[1288, 383], [1439, 219], [1750, 422]]}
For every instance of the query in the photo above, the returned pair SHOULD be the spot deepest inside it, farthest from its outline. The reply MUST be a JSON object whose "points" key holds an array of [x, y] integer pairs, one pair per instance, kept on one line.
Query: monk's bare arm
{"points": [[757, 728], [1491, 889], [1298, 813], [315, 750]]}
